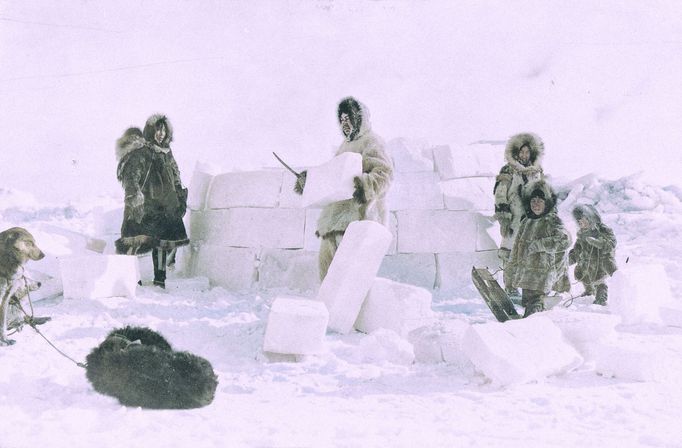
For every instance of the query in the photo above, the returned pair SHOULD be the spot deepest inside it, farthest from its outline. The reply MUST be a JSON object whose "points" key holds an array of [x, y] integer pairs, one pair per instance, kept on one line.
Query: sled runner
{"points": [[493, 295]]}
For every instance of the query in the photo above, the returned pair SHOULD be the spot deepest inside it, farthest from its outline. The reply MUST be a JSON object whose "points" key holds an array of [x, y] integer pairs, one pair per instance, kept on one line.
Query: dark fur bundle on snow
{"points": [[139, 367]]}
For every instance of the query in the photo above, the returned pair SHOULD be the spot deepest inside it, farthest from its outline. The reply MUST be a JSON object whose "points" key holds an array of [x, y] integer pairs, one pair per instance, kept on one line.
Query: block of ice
{"points": [[332, 181], [296, 326], [292, 269], [415, 191], [245, 189], [233, 268], [200, 185], [415, 269]]}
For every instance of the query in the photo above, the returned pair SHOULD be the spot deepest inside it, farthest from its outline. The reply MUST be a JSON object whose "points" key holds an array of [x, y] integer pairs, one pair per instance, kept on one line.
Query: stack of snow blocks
{"points": [[296, 327], [352, 272], [99, 276], [249, 230]]}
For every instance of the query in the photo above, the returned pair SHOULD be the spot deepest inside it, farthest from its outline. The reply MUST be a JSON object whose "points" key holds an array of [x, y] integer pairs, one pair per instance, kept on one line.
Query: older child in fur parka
{"points": [[538, 260], [523, 155], [593, 253]]}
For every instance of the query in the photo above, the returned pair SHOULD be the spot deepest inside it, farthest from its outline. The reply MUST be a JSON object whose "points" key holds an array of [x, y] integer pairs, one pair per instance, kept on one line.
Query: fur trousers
{"points": [[330, 243]]}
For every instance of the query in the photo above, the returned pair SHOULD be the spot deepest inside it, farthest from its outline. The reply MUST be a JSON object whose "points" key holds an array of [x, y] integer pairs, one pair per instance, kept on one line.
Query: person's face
{"points": [[537, 206], [346, 125], [160, 134], [524, 155], [584, 223]]}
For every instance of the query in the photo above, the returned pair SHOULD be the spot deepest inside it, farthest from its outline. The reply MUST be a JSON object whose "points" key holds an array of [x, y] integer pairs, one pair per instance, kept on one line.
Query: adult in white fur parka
{"points": [[369, 198], [523, 155]]}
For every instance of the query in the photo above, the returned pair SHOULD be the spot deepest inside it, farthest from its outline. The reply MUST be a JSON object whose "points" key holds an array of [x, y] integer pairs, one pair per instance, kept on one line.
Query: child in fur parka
{"points": [[593, 253], [538, 263]]}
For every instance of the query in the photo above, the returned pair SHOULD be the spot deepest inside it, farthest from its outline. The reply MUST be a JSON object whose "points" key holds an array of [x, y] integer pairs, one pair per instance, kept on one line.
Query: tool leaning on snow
{"points": [[494, 296]]}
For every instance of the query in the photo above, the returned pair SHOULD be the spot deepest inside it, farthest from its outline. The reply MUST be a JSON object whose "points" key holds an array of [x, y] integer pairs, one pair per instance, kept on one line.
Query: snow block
{"points": [[444, 162], [233, 268], [310, 241], [409, 156], [394, 306], [478, 160], [436, 231], [245, 189], [488, 237], [250, 227], [292, 269], [519, 351], [454, 268], [471, 193], [640, 357], [99, 276], [332, 181], [415, 191], [441, 342], [414, 269], [637, 291], [580, 327], [352, 272], [200, 185], [384, 346], [296, 326], [188, 284], [288, 198]]}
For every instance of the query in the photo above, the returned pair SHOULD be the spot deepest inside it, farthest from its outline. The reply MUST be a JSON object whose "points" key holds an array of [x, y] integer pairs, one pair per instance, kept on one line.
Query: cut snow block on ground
{"points": [[436, 231], [442, 342], [352, 272], [233, 268], [415, 191], [332, 181], [394, 306], [639, 357], [292, 269], [245, 189], [384, 345], [200, 185], [581, 327], [296, 326], [414, 269], [250, 227], [637, 291], [99, 276], [471, 193], [519, 351]]}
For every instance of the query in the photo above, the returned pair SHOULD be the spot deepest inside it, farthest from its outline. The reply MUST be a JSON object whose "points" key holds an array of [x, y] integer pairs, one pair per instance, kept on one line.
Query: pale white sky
{"points": [[599, 82]]}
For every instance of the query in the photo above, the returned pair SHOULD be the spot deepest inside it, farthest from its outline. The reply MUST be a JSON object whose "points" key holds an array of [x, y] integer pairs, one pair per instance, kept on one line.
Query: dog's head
{"points": [[20, 244]]}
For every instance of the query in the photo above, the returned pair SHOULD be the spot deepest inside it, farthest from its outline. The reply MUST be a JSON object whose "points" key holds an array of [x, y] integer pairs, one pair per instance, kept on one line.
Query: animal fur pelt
{"points": [[138, 366]]}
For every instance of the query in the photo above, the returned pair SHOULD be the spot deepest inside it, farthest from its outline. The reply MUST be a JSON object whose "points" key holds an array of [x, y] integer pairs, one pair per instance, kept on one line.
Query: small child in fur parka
{"points": [[593, 253]]}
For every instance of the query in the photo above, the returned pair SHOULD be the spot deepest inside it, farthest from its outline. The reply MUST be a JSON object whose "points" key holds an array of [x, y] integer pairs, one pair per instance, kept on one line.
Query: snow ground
{"points": [[355, 394]]}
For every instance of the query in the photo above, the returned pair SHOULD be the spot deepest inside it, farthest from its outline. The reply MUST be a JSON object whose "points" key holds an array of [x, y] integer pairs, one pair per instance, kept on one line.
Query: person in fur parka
{"points": [[523, 155], [155, 200], [369, 198], [593, 253], [538, 259]]}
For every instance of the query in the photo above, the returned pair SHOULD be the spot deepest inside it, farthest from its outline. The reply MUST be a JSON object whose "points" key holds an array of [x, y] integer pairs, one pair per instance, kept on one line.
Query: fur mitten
{"points": [[300, 182], [359, 193]]}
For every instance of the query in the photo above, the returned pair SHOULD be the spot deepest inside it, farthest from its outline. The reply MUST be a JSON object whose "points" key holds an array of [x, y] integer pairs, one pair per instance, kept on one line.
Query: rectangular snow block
{"points": [[454, 268], [637, 291], [471, 193], [188, 284], [442, 342], [488, 235], [415, 191], [436, 231], [296, 326], [332, 181], [394, 306], [311, 242], [245, 189], [233, 268], [291, 269], [414, 269], [250, 227], [444, 162], [409, 156], [477, 160], [519, 351], [99, 276], [639, 357], [200, 185], [580, 327], [352, 272]]}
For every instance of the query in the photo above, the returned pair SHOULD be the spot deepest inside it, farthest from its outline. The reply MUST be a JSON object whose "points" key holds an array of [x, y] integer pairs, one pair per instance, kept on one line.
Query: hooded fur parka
{"points": [[155, 200], [593, 253], [377, 169], [538, 259]]}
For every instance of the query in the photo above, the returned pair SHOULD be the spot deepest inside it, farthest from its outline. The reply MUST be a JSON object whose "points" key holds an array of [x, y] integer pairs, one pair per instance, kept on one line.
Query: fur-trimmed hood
{"points": [[131, 140], [359, 116], [537, 151], [150, 129], [589, 212], [539, 188]]}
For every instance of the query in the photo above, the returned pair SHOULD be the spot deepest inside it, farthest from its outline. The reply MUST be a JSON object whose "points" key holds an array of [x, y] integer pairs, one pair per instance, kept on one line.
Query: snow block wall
{"points": [[249, 230]]}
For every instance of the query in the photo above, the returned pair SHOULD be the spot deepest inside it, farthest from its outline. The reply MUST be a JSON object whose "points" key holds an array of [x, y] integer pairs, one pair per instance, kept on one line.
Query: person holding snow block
{"points": [[593, 253], [155, 200], [538, 260], [523, 155], [369, 197]]}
